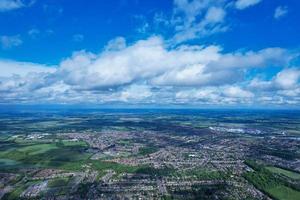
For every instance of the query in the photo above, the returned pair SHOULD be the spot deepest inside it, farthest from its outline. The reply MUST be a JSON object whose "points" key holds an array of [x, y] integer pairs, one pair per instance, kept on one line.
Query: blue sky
{"points": [[172, 52]]}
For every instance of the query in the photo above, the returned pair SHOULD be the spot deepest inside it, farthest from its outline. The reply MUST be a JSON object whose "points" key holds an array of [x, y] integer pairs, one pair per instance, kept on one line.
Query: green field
{"points": [[265, 180], [58, 182], [284, 193], [37, 149], [290, 174], [74, 143], [63, 154], [147, 150], [7, 162]]}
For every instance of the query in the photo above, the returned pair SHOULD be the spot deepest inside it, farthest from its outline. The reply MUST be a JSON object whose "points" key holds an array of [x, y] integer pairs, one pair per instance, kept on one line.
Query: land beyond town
{"points": [[150, 154]]}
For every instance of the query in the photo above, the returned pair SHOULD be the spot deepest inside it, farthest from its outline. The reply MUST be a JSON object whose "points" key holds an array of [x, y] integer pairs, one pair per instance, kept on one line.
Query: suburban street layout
{"points": [[146, 154]]}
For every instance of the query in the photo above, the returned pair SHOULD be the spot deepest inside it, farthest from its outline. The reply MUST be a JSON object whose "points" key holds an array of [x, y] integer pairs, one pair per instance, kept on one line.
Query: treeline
{"points": [[267, 182]]}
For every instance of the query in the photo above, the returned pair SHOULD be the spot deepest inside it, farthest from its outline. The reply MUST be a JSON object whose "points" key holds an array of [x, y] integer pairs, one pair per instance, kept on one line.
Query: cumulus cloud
{"points": [[157, 70], [8, 42], [194, 19], [219, 69], [198, 19], [152, 61], [243, 4], [285, 79], [261, 58], [223, 95], [116, 44], [135, 93], [148, 71], [7, 5], [235, 91], [9, 68], [282, 89], [78, 37], [33, 33], [214, 15], [280, 12]]}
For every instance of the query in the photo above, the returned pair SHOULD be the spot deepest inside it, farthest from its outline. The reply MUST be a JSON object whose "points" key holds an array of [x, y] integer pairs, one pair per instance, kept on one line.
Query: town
{"points": [[118, 156]]}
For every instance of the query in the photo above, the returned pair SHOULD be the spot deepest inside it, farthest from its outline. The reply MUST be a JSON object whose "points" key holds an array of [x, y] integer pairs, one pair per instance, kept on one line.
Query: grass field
{"points": [[264, 179], [64, 155], [290, 174], [74, 143], [284, 193], [147, 150], [17, 191], [7, 163], [58, 182], [37, 149]]}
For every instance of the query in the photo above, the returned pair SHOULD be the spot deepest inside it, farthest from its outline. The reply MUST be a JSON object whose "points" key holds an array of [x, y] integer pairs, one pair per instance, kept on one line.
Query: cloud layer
{"points": [[150, 71], [8, 5], [158, 70]]}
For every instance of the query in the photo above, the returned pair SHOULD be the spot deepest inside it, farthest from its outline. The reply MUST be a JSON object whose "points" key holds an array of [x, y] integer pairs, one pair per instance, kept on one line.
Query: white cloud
{"points": [[223, 95], [150, 60], [242, 4], [114, 68], [280, 11], [219, 69], [282, 89], [286, 79], [269, 56], [235, 91], [149, 71], [194, 19], [6, 5], [9, 68], [215, 15], [33, 33], [290, 92], [155, 70], [8, 42], [205, 95], [135, 93], [144, 28], [78, 38], [116, 44]]}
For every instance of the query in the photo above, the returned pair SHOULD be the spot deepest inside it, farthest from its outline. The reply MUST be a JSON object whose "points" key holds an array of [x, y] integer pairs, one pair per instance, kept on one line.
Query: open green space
{"points": [[284, 193], [288, 173], [74, 143], [147, 150], [37, 149], [15, 194], [264, 180], [63, 155], [7, 163], [58, 182], [17, 191]]}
